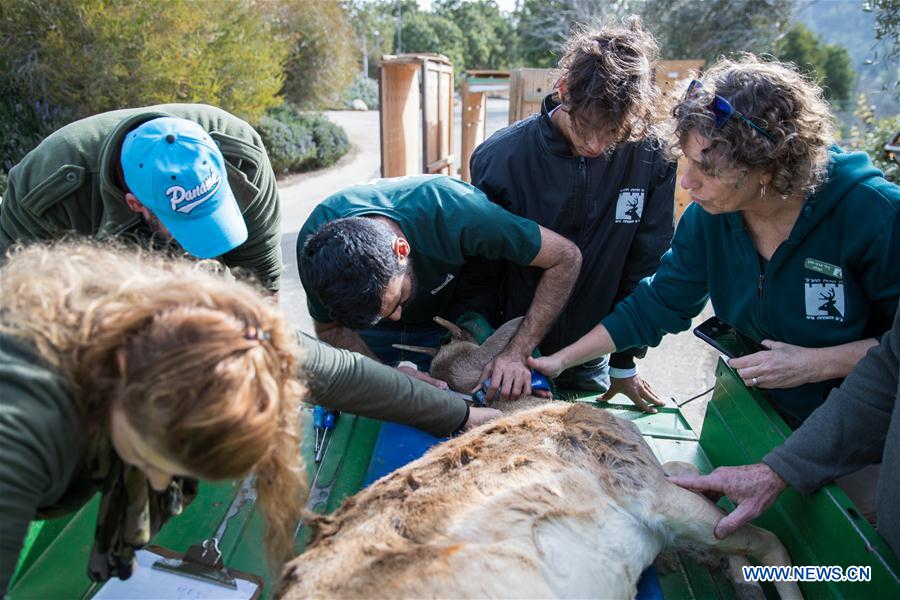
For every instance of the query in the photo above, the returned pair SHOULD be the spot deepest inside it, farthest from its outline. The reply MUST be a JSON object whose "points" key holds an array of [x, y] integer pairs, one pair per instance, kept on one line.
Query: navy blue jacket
{"points": [[617, 208]]}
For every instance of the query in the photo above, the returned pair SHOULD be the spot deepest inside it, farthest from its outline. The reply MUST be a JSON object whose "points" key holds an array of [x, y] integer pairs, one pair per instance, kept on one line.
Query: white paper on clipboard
{"points": [[147, 583]]}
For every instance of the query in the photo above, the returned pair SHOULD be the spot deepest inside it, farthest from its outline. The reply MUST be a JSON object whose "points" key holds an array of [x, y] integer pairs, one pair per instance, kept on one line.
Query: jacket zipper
{"points": [[582, 176]]}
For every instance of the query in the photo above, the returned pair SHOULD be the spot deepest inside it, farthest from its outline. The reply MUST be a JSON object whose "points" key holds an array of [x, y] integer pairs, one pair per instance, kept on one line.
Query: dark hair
{"points": [[610, 81], [778, 98], [348, 264]]}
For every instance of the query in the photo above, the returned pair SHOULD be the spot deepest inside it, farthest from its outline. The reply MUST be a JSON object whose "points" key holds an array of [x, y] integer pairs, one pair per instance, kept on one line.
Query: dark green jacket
{"points": [[43, 450], [836, 279], [69, 184], [446, 221]]}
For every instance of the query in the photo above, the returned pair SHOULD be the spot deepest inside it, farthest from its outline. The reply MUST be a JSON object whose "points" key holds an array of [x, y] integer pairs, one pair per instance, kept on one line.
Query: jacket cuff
{"points": [[465, 420], [619, 332], [621, 360], [779, 460]]}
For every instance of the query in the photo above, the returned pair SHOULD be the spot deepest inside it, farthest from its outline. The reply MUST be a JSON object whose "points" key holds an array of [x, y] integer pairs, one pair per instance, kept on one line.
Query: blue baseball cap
{"points": [[176, 170]]}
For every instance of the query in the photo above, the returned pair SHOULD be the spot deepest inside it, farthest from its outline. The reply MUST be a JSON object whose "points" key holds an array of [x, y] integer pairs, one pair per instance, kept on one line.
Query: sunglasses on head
{"points": [[722, 110]]}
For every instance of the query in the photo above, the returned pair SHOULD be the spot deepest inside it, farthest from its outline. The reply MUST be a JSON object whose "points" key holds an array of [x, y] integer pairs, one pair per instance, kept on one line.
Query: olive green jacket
{"points": [[69, 183], [44, 467]]}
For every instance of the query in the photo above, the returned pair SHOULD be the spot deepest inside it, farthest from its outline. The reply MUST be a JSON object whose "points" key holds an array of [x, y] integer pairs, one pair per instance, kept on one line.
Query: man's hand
{"points": [[753, 488], [480, 416], [416, 374], [509, 376], [637, 390]]}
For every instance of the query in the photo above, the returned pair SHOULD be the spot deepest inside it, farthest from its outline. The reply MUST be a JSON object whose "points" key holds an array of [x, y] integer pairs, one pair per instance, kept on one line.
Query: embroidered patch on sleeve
{"points": [[630, 205]]}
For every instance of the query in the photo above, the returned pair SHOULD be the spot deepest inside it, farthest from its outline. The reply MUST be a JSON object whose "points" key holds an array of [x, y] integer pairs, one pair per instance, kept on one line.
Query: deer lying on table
{"points": [[559, 500]]}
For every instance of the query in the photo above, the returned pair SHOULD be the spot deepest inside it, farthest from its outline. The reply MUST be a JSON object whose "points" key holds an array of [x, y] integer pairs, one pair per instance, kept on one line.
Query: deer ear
{"points": [[454, 330], [420, 349]]}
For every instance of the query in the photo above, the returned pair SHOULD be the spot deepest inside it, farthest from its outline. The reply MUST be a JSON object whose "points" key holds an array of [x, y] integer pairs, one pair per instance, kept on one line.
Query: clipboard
{"points": [[149, 583]]}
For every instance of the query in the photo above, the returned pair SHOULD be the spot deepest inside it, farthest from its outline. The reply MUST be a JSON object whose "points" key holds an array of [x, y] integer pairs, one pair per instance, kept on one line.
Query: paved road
{"points": [[680, 367]]}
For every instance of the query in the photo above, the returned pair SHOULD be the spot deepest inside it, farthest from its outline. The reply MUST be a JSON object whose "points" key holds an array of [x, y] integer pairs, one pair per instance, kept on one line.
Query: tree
{"points": [[374, 24], [322, 60], [487, 37], [887, 29], [887, 23], [828, 64], [426, 32], [543, 26], [688, 29], [65, 59]]}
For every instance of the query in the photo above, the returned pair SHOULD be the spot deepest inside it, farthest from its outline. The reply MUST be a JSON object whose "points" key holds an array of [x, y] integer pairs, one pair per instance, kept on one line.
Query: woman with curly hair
{"points": [[135, 375], [795, 241]]}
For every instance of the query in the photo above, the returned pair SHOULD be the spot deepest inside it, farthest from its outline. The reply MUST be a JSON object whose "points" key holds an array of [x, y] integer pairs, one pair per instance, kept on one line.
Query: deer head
{"points": [[828, 297], [459, 362]]}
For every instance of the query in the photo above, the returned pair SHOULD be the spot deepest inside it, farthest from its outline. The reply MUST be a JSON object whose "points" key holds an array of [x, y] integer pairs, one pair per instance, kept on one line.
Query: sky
{"points": [[505, 5]]}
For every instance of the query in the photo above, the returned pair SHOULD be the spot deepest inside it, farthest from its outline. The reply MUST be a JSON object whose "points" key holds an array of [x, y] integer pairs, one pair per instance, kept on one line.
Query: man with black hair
{"points": [[588, 168], [365, 252]]}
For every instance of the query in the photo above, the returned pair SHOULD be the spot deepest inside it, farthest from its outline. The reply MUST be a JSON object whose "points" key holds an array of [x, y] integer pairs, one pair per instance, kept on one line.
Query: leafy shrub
{"points": [[2, 183], [872, 134], [324, 56], [23, 125], [298, 141], [364, 88], [94, 55]]}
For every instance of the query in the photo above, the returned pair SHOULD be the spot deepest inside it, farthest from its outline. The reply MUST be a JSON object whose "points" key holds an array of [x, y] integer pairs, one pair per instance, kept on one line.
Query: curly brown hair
{"points": [[777, 98], [205, 365], [610, 82]]}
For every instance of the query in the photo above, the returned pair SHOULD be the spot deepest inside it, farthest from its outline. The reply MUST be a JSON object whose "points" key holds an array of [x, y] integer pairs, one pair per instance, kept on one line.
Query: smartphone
{"points": [[726, 338]]}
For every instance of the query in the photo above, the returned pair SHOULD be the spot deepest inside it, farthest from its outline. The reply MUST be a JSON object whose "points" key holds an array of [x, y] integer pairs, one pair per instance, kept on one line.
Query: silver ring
{"points": [[755, 381]]}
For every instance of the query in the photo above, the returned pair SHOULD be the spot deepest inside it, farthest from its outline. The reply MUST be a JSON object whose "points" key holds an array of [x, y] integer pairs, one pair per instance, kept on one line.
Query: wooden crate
{"points": [[475, 87], [668, 74], [527, 88], [416, 92]]}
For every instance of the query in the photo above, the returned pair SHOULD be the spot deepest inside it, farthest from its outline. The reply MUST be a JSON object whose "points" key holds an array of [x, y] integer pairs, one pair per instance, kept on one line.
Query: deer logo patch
{"points": [[630, 205], [824, 299]]}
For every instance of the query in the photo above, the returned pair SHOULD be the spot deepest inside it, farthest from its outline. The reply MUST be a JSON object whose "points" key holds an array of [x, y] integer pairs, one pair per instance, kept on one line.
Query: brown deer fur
{"points": [[561, 500]]}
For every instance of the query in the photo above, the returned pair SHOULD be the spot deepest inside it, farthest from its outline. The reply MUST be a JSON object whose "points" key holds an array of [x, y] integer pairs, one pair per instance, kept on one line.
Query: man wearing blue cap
{"points": [[187, 172]]}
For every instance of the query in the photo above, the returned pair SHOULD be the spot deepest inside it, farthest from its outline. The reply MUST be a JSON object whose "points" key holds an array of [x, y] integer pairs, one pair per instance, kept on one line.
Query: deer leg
{"points": [[693, 518], [745, 590]]}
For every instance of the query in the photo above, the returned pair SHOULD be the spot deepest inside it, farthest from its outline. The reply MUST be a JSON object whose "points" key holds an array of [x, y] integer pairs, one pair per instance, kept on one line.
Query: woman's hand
{"points": [[785, 365], [781, 366], [551, 365], [416, 374], [480, 416]]}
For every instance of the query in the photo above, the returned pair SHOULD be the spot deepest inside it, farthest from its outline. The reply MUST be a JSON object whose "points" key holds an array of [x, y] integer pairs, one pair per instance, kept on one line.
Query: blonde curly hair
{"points": [[777, 98], [609, 81], [205, 366]]}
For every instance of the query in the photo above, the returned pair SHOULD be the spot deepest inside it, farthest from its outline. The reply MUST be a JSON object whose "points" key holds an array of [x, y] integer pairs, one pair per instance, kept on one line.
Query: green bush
{"points": [[298, 141], [2, 183], [324, 56], [364, 88], [872, 134], [23, 125], [91, 56]]}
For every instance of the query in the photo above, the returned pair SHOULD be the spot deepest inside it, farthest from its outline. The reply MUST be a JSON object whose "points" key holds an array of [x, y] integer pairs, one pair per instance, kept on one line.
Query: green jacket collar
{"points": [[117, 217]]}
